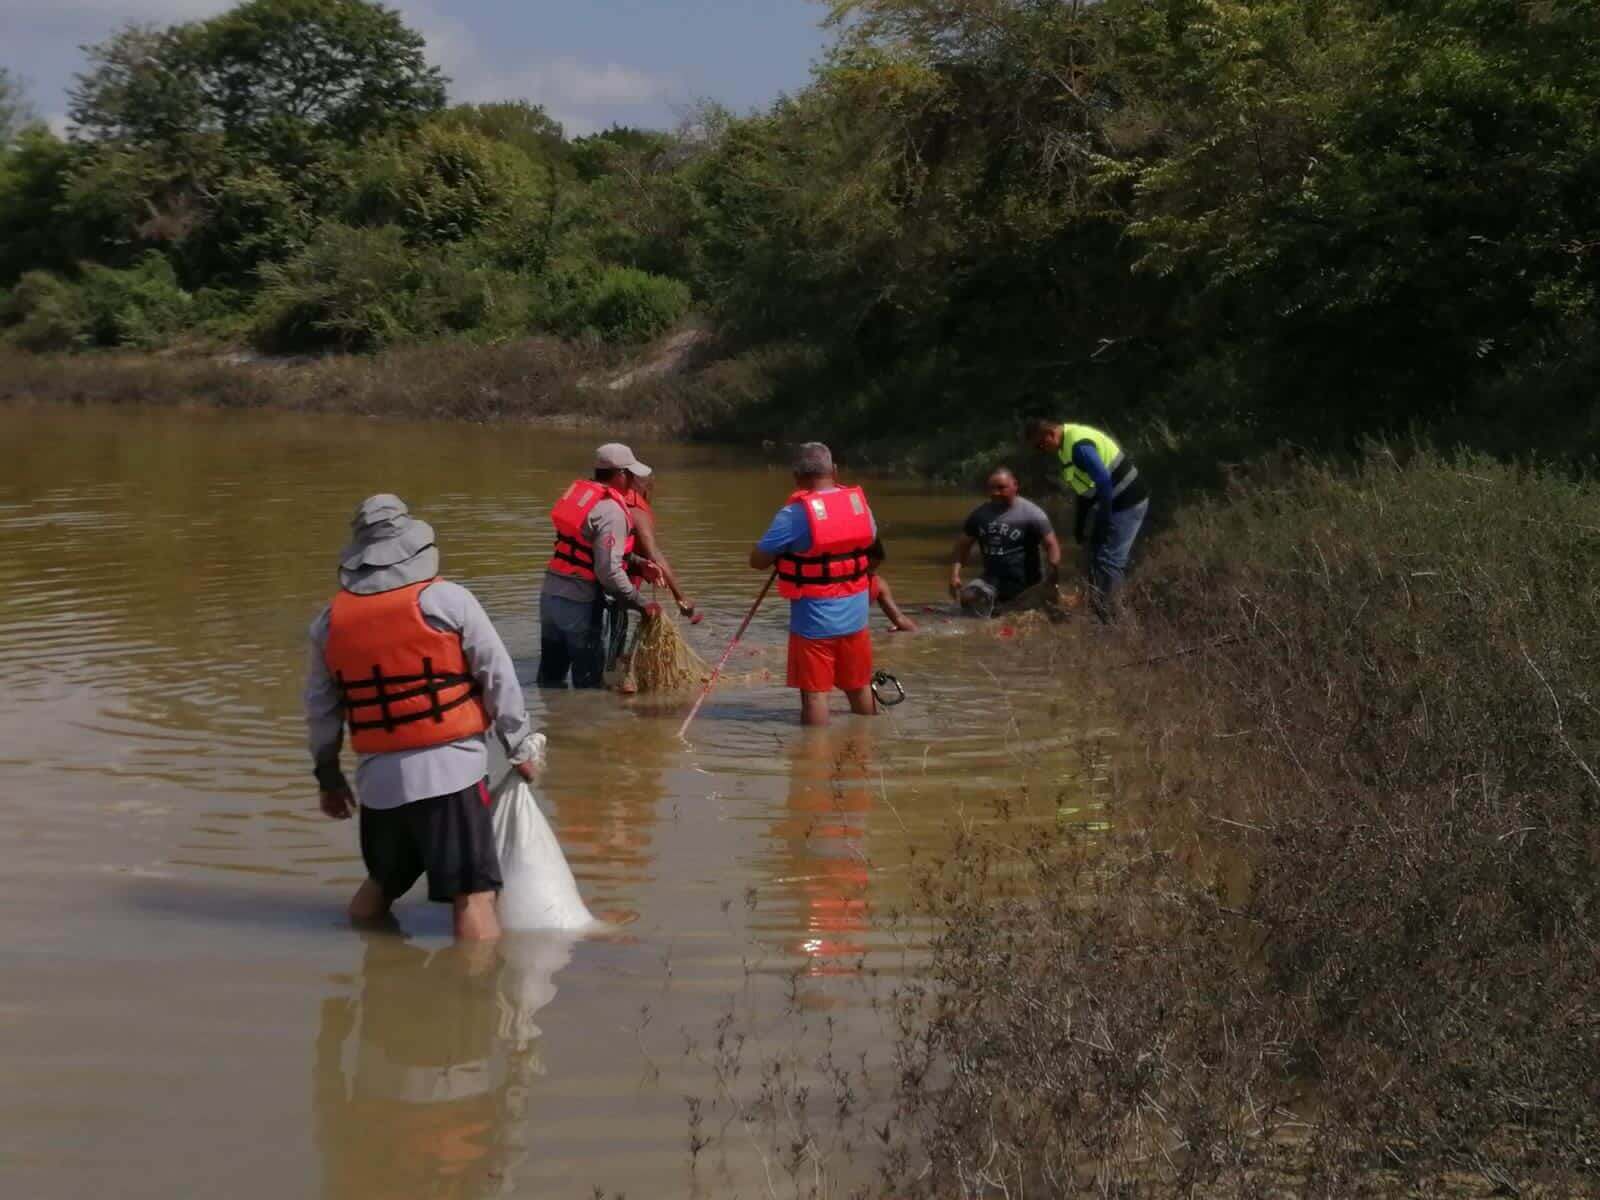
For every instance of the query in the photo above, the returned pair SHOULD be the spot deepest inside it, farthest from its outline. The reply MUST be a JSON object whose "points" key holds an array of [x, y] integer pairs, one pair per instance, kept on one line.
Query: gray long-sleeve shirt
{"points": [[398, 777], [605, 529]]}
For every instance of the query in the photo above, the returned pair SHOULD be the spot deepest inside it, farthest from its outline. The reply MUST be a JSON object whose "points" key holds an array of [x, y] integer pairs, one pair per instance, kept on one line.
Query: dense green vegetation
{"points": [[1236, 220]]}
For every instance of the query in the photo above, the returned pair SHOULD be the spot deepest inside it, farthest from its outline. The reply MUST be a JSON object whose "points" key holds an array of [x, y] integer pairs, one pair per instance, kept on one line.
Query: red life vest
{"points": [[574, 556], [403, 683], [836, 565]]}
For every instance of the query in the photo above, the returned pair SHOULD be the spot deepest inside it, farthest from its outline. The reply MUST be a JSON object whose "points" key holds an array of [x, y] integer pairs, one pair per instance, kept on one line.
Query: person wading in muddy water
{"points": [[1012, 533], [587, 594], [824, 542], [1112, 496], [411, 663]]}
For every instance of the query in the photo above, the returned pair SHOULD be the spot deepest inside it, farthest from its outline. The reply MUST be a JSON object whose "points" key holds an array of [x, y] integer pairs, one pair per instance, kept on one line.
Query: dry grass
{"points": [[663, 661], [1345, 940], [534, 379]]}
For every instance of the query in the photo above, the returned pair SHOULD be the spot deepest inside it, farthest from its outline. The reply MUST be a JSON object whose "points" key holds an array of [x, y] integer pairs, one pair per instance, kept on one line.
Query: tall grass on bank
{"points": [[1352, 946]]}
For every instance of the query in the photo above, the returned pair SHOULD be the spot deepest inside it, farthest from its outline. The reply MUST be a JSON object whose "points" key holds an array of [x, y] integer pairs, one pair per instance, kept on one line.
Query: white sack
{"points": [[538, 891]]}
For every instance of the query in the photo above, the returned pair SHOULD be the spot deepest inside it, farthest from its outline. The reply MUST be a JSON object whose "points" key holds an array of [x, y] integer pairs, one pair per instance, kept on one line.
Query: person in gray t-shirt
{"points": [[1011, 532]]}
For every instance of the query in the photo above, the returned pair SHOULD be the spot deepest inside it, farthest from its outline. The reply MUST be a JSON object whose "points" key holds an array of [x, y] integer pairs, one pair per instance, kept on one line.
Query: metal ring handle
{"points": [[882, 679]]}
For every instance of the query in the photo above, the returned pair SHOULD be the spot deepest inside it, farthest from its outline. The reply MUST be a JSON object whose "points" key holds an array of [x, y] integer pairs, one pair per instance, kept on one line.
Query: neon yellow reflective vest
{"points": [[1105, 446]]}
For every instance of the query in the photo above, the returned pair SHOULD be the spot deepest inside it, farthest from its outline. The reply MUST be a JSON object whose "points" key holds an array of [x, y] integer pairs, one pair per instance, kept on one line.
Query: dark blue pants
{"points": [[1108, 559], [571, 641]]}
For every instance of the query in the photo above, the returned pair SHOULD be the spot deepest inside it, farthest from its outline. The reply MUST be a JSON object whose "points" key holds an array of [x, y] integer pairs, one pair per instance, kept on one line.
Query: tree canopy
{"points": [[275, 78]]}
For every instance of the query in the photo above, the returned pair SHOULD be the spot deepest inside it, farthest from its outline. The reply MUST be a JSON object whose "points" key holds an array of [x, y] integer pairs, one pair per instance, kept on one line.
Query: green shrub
{"points": [[443, 185], [45, 312], [363, 289], [140, 306], [614, 304]]}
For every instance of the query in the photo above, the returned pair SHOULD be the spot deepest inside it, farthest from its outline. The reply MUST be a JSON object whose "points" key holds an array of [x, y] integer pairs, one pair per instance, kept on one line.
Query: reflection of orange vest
{"points": [[574, 556], [836, 565], [404, 684]]}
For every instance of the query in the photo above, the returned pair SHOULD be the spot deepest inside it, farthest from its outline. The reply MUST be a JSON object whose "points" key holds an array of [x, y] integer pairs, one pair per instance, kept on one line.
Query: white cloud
{"points": [[583, 96], [43, 36]]}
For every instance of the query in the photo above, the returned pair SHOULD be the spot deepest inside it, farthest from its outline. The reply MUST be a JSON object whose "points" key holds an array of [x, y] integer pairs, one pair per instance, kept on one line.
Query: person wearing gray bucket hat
{"points": [[586, 595], [411, 664]]}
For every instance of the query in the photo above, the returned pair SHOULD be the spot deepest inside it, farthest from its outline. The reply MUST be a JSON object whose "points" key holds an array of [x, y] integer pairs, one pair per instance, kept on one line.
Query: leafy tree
{"points": [[442, 184], [33, 179], [274, 78], [517, 123], [142, 89]]}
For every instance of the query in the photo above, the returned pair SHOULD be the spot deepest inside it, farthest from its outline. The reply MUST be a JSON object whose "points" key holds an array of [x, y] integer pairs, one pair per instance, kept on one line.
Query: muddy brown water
{"points": [[183, 1010]]}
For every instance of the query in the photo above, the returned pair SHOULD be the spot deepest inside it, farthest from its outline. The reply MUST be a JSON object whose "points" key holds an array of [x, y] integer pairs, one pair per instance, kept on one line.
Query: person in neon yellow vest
{"points": [[1113, 499]]}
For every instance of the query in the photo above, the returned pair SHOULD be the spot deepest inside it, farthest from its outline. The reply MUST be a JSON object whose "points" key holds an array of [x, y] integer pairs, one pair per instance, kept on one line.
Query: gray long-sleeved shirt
{"points": [[400, 776], [606, 529]]}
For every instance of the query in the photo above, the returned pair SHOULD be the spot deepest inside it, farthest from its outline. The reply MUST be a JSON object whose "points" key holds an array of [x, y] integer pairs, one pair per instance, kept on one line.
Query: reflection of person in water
{"points": [[829, 801], [427, 1098]]}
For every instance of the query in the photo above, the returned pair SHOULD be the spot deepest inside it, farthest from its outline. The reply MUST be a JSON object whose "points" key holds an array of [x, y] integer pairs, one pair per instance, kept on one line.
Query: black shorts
{"points": [[450, 837]]}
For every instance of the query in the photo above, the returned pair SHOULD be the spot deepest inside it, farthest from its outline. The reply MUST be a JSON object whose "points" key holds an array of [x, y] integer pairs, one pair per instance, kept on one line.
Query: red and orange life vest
{"points": [[404, 684], [836, 565], [574, 555]]}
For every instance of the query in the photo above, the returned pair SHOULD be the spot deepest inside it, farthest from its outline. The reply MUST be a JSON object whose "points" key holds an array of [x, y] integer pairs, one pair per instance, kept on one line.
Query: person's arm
{"points": [[1087, 459], [958, 559], [644, 530], [606, 527], [453, 608], [1052, 554], [325, 726], [963, 548], [782, 535], [896, 616]]}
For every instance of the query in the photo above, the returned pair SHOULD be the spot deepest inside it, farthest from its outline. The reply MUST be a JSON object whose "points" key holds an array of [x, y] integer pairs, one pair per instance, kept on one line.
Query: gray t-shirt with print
{"points": [[1009, 536]]}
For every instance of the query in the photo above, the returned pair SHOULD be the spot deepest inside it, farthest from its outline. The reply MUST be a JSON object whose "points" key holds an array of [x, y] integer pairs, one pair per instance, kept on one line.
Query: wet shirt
{"points": [[839, 617], [1009, 536], [401, 776]]}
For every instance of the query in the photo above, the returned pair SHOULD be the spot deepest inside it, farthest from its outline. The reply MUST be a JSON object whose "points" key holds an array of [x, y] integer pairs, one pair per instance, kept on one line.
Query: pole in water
{"points": [[722, 662]]}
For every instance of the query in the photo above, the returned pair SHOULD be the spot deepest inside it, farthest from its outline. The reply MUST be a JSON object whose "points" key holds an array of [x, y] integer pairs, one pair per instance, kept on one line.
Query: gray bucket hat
{"points": [[388, 548]]}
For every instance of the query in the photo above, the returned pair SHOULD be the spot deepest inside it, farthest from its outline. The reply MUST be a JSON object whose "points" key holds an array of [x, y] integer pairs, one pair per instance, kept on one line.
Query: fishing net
{"points": [[663, 661]]}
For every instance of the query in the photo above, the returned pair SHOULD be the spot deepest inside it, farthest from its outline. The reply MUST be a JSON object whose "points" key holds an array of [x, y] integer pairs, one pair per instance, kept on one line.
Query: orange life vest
{"points": [[573, 555], [836, 565], [404, 684]]}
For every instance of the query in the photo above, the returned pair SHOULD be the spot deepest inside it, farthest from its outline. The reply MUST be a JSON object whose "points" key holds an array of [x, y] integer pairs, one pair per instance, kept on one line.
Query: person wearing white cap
{"points": [[588, 571], [412, 664]]}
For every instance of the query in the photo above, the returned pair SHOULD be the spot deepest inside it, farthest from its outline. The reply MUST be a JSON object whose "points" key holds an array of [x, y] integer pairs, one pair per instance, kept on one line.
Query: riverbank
{"points": [[535, 379], [685, 385], [1345, 939]]}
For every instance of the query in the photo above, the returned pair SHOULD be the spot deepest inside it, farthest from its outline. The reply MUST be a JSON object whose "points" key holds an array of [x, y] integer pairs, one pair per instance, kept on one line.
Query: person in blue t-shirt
{"points": [[829, 643]]}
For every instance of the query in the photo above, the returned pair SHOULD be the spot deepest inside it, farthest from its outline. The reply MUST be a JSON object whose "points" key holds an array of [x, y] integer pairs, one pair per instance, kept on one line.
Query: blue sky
{"points": [[589, 62]]}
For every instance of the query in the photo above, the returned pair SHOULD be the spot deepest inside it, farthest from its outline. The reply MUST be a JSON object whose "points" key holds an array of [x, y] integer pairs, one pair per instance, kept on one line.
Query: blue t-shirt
{"points": [[839, 617]]}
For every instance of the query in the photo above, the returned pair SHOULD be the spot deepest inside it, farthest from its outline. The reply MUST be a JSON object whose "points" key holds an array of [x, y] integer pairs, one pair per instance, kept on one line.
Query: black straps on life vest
{"points": [[570, 550], [380, 691]]}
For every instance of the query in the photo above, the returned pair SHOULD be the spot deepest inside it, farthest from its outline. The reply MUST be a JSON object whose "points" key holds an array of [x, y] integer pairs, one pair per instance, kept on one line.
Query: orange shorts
{"points": [[822, 664]]}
